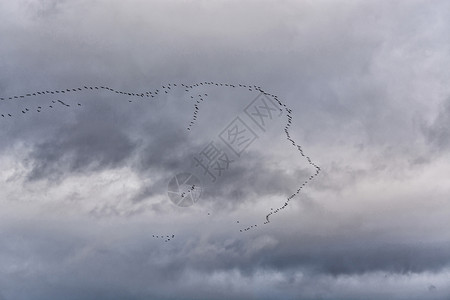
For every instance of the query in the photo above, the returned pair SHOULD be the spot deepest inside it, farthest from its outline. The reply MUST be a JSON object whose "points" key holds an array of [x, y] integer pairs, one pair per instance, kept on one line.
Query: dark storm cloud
{"points": [[91, 144], [250, 179]]}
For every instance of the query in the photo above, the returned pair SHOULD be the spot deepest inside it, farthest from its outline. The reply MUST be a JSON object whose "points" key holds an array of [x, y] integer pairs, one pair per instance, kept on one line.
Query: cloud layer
{"points": [[83, 188]]}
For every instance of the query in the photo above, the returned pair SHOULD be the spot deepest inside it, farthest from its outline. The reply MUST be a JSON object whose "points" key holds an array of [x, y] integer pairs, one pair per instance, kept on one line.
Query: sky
{"points": [[337, 189]]}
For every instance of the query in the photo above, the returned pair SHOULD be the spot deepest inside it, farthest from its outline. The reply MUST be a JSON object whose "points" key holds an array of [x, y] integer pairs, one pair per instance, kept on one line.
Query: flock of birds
{"points": [[167, 238], [198, 100], [38, 109]]}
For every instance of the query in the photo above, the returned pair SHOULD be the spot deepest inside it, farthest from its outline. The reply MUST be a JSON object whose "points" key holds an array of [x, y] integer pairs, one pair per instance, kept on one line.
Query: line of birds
{"points": [[148, 94], [199, 99], [196, 110], [78, 89], [38, 109], [286, 129]]}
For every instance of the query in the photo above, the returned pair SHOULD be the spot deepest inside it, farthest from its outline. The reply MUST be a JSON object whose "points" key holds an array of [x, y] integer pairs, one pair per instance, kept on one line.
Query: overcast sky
{"points": [[363, 87]]}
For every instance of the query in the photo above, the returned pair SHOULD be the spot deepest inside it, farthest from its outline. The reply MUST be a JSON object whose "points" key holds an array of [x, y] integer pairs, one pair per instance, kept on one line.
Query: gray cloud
{"points": [[368, 88], [90, 144]]}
